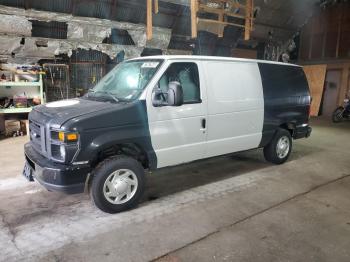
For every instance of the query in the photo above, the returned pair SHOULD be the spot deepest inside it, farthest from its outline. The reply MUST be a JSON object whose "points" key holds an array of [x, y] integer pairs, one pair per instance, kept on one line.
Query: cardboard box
{"points": [[12, 126]]}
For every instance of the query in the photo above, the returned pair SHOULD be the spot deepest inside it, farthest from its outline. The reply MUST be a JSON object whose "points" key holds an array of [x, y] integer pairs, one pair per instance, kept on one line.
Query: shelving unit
{"points": [[14, 86], [15, 110]]}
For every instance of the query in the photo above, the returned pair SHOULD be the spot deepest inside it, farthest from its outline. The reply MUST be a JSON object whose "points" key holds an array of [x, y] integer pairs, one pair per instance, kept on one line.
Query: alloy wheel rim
{"points": [[120, 186], [282, 147]]}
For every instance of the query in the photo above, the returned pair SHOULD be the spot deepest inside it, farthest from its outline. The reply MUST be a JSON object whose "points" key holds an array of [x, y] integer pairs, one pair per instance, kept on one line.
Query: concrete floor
{"points": [[231, 208]]}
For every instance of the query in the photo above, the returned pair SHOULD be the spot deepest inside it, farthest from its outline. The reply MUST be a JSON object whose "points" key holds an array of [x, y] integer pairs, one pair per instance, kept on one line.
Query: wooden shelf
{"points": [[20, 84], [37, 85], [15, 110]]}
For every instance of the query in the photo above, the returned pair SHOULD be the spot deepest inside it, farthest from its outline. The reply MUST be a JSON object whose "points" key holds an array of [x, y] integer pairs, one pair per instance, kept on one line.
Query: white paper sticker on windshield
{"points": [[150, 64]]}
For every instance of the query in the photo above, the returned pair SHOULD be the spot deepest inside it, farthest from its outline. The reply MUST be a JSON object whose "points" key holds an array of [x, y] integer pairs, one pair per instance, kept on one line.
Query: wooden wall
{"points": [[325, 39], [327, 34]]}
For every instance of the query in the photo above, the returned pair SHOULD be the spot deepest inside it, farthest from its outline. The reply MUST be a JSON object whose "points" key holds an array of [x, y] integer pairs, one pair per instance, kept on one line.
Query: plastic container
{"points": [[20, 101]]}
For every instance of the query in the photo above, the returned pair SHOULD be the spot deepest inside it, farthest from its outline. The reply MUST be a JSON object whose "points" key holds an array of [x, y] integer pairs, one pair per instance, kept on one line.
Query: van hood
{"points": [[61, 111]]}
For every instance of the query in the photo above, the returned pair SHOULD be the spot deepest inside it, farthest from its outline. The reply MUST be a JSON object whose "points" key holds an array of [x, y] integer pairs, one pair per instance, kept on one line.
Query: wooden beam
{"points": [[156, 6], [194, 9], [252, 16], [248, 17], [218, 22], [149, 31]]}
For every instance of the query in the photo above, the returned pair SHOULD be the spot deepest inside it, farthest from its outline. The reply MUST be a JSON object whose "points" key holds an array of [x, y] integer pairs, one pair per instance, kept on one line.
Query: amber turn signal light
{"points": [[71, 137]]}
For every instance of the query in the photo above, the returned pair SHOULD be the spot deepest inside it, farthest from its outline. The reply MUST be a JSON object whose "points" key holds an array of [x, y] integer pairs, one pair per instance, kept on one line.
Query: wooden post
{"points": [[156, 6], [248, 17], [252, 16], [149, 20], [339, 32], [221, 28], [343, 84], [194, 8]]}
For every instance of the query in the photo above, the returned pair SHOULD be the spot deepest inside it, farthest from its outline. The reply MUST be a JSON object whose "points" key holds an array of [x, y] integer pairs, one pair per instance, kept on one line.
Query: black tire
{"points": [[104, 170], [337, 116], [271, 152]]}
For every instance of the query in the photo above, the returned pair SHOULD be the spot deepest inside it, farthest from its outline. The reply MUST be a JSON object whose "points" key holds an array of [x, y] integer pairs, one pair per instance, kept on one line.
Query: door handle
{"points": [[204, 123]]}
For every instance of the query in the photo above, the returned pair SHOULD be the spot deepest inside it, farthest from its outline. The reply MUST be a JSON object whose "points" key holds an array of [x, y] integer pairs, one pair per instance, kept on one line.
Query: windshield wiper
{"points": [[107, 93]]}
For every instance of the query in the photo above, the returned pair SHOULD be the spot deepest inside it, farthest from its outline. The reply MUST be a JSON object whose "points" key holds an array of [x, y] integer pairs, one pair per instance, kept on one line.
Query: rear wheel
{"points": [[279, 149], [338, 115], [118, 184]]}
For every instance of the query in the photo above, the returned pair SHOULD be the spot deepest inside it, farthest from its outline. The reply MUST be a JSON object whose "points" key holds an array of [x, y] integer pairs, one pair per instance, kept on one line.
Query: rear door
{"points": [[178, 134]]}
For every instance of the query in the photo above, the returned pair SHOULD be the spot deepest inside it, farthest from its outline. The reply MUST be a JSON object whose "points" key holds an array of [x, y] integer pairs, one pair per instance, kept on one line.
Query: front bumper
{"points": [[302, 132], [56, 177]]}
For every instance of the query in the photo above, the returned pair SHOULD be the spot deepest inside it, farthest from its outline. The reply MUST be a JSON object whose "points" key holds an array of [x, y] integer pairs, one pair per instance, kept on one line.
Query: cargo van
{"points": [[155, 112]]}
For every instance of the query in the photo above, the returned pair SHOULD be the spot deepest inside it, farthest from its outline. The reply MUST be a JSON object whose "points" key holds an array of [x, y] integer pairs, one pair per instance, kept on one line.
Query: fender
{"points": [[130, 134], [127, 123]]}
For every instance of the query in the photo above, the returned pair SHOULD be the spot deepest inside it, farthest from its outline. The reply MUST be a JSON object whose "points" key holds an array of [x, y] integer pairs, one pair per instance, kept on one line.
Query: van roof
{"points": [[211, 58]]}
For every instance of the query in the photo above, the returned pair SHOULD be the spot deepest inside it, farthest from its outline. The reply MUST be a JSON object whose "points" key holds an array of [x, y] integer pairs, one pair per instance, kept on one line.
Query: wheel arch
{"points": [[126, 148], [289, 126], [119, 148]]}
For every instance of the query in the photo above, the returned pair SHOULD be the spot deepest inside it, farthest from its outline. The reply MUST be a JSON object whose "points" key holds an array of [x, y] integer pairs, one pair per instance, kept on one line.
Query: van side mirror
{"points": [[175, 94], [159, 98]]}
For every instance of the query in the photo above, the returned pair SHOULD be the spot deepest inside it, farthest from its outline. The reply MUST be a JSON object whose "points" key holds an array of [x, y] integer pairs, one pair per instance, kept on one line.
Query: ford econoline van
{"points": [[154, 112]]}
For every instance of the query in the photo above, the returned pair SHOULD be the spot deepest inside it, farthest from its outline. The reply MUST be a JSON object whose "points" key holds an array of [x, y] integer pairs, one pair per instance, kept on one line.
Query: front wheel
{"points": [[338, 115], [117, 184], [280, 147]]}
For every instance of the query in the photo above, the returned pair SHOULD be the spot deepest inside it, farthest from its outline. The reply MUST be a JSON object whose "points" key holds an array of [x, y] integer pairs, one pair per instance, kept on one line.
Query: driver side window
{"points": [[187, 75]]}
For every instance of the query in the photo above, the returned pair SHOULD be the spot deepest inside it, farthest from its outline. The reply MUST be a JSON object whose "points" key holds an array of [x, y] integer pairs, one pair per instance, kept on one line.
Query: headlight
{"points": [[63, 152], [64, 145]]}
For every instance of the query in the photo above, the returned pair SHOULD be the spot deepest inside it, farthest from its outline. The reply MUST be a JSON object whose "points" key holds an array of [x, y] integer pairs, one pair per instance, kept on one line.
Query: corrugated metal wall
{"points": [[74, 76], [56, 82], [87, 67]]}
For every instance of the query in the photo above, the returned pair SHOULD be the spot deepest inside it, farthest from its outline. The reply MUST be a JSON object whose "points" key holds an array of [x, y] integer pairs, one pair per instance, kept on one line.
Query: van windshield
{"points": [[125, 82]]}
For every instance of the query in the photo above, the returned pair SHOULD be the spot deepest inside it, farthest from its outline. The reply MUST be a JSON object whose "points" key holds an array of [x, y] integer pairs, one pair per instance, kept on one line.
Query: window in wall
{"points": [[53, 29], [187, 75], [120, 37]]}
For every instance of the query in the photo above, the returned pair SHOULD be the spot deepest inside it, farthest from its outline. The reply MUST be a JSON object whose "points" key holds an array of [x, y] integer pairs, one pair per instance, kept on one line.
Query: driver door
{"points": [[178, 133]]}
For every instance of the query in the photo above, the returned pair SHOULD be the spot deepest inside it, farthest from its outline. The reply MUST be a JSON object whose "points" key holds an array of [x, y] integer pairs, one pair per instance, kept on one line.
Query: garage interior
{"points": [[230, 208]]}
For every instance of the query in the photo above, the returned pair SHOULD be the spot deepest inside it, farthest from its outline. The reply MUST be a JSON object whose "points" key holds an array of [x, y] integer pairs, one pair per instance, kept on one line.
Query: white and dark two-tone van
{"points": [[160, 111]]}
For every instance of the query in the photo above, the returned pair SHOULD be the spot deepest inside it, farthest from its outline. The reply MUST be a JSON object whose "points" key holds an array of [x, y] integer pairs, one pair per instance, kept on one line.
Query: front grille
{"points": [[37, 136]]}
